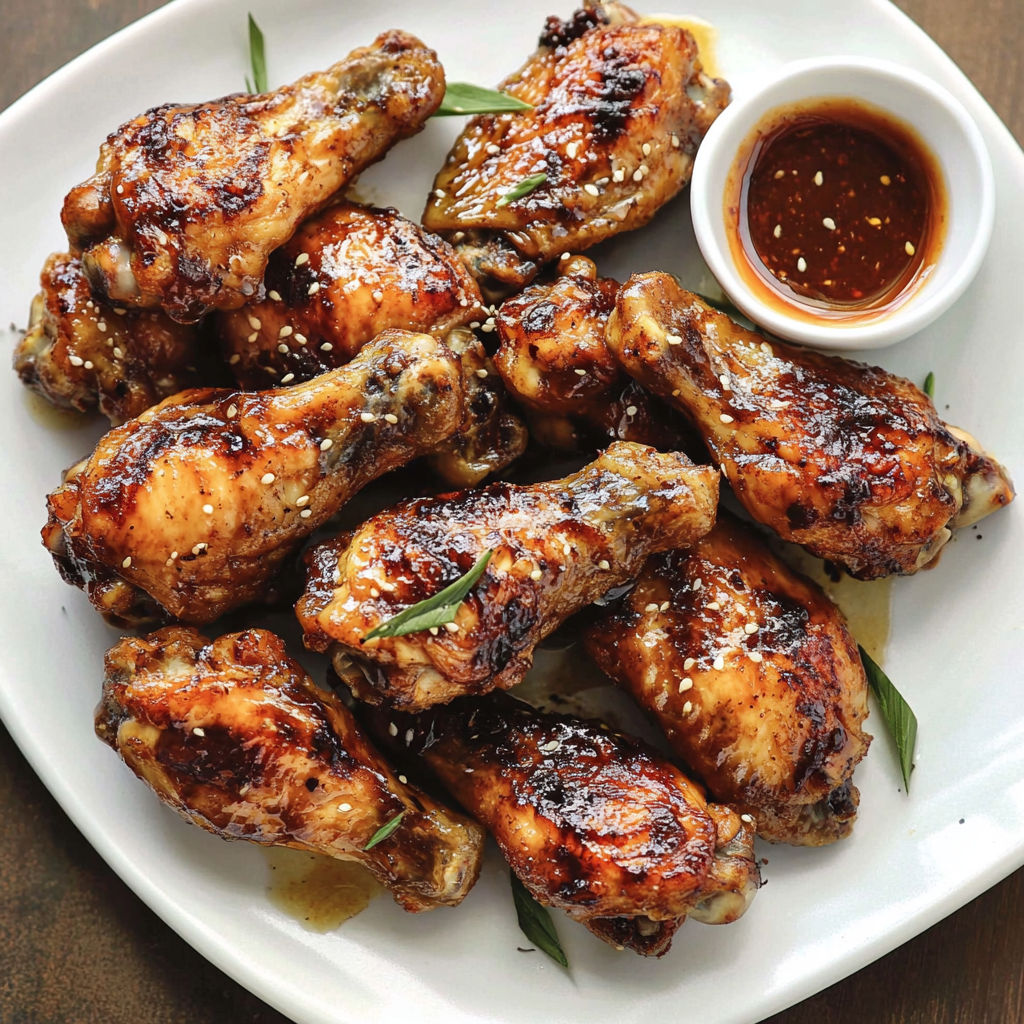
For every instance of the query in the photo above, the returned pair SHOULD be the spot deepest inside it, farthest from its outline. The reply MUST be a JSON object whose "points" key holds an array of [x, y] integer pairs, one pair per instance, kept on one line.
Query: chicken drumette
{"points": [[239, 740], [848, 460], [187, 202], [753, 676], [82, 353], [619, 109], [556, 546], [590, 821], [347, 274], [554, 360], [190, 509]]}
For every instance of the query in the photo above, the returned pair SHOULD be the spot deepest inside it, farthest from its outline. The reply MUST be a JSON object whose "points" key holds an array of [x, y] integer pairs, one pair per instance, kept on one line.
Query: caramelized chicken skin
{"points": [[557, 546], [619, 109], [192, 507], [848, 460], [753, 676], [246, 170], [591, 821], [82, 353], [367, 270], [491, 436], [239, 740]]}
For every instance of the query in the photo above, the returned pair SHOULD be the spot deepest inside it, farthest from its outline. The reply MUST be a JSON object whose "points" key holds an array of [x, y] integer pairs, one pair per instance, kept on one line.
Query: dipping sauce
{"points": [[836, 207]]}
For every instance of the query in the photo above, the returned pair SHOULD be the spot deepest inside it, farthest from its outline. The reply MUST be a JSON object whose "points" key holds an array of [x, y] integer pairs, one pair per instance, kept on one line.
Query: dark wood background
{"points": [[77, 947]]}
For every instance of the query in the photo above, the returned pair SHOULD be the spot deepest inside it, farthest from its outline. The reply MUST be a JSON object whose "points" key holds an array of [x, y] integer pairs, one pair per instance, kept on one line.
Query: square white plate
{"points": [[958, 632]]}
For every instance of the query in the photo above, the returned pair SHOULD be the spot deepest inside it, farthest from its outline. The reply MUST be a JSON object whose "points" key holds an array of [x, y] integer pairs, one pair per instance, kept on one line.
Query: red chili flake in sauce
{"points": [[837, 205]]}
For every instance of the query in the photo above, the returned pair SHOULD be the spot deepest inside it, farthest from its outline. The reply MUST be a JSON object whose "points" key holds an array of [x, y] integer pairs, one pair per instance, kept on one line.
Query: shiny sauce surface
{"points": [[837, 207]]}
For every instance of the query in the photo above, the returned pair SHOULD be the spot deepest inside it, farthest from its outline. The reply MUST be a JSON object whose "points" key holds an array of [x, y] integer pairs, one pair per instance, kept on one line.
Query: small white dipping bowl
{"points": [[941, 123]]}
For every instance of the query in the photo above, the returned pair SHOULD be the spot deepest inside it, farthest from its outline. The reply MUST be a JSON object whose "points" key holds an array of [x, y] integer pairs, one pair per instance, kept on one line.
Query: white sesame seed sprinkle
{"points": [[819, 178], [580, 372], [120, 190], [687, 707], [208, 509], [719, 662], [474, 325], [638, 176], [604, 564], [200, 548], [345, 807], [326, 347], [378, 296], [267, 478], [571, 150], [300, 338], [434, 630], [255, 323], [274, 296], [88, 364], [536, 574], [325, 444], [686, 684], [829, 223], [550, 747], [367, 417], [665, 605], [75, 360], [652, 607], [726, 418], [439, 192], [591, 189], [750, 627], [697, 584], [313, 288], [118, 354], [909, 247], [675, 142], [288, 378], [452, 627], [252, 337], [726, 383], [303, 257], [566, 255], [713, 606], [689, 663], [392, 729], [492, 149], [778, 231], [644, 170], [779, 174], [673, 339], [755, 656], [747, 818], [127, 562], [801, 264], [197, 731], [282, 349]]}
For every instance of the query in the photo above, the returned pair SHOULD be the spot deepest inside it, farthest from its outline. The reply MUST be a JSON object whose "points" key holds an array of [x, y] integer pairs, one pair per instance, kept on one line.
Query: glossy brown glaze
{"points": [[195, 505], [81, 353], [239, 740], [369, 270], [491, 436], [557, 547], [188, 202], [619, 110], [753, 677], [848, 460], [592, 822], [554, 360]]}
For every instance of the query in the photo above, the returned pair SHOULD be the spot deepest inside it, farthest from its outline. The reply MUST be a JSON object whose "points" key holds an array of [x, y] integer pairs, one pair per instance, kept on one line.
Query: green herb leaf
{"points": [[902, 722], [384, 831], [434, 611], [257, 59], [461, 98], [535, 922], [524, 188], [929, 385]]}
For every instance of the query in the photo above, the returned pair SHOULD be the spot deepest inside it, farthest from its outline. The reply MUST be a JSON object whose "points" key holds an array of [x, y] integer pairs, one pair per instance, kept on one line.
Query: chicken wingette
{"points": [[237, 738]]}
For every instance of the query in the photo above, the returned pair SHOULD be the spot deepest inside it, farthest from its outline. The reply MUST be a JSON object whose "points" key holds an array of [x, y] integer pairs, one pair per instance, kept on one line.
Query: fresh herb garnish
{"points": [[929, 385], [902, 722], [384, 831], [257, 59], [535, 922], [434, 611], [524, 188], [462, 98]]}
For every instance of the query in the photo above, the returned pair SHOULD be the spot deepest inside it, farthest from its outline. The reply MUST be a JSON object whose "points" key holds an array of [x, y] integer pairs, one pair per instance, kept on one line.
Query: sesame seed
{"points": [[801, 264], [409, 734], [487, 327], [392, 729], [174, 555], [675, 142], [285, 331], [779, 174], [267, 478], [120, 190], [603, 564], [644, 170], [580, 372], [325, 444], [697, 584], [637, 176], [631, 410], [474, 325], [75, 360], [726, 384], [910, 248], [282, 349], [390, 417], [571, 150], [755, 656], [101, 325], [378, 296], [536, 574], [88, 364], [367, 417], [687, 707], [326, 347], [689, 663], [274, 295], [719, 663], [303, 257], [469, 771], [288, 378], [676, 393], [566, 255], [726, 418], [374, 592], [619, 175], [434, 631], [208, 509], [591, 190], [493, 149], [646, 148], [885, 179], [665, 605], [829, 223], [550, 747], [118, 354], [686, 684], [200, 548], [304, 500], [673, 339], [197, 731], [766, 348], [452, 627], [313, 288], [300, 338], [252, 337], [255, 323], [127, 562], [750, 627], [778, 231], [819, 178], [874, 221], [344, 807], [652, 607], [747, 818], [566, 549], [713, 606]]}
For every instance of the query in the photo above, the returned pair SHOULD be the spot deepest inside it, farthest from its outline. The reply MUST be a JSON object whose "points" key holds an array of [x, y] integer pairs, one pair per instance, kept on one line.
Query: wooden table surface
{"points": [[77, 947]]}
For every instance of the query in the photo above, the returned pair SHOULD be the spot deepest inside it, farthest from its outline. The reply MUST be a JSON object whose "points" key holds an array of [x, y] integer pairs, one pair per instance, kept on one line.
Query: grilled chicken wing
{"points": [[490, 437], [556, 546], [192, 507], [554, 360], [753, 676], [590, 821], [846, 459], [247, 169], [82, 353], [619, 110], [239, 740], [347, 274]]}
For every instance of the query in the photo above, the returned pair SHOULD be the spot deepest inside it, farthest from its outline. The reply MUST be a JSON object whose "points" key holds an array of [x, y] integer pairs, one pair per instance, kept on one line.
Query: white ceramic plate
{"points": [[958, 632]]}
